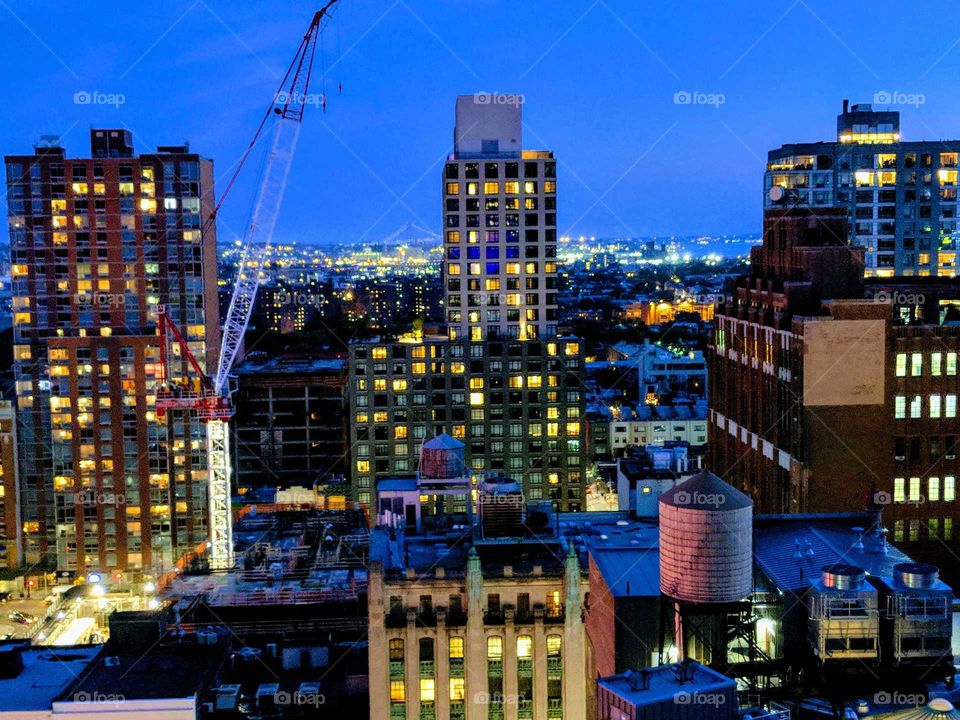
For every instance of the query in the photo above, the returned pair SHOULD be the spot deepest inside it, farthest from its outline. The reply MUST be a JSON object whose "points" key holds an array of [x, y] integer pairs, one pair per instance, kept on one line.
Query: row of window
{"points": [[914, 362], [491, 170], [937, 491], [938, 406]]}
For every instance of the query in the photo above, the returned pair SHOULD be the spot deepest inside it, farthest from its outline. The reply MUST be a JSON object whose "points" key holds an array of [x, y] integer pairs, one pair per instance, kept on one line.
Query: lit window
{"points": [[494, 648], [949, 488], [473, 188], [935, 406], [914, 489], [399, 384], [901, 364], [530, 187], [427, 689], [379, 353], [491, 188], [950, 406], [553, 604], [456, 647], [899, 490], [398, 691], [457, 689], [951, 363], [935, 363], [916, 364], [554, 645], [900, 407], [363, 466], [453, 188], [524, 646], [933, 489], [400, 432], [476, 398], [511, 187], [916, 406]]}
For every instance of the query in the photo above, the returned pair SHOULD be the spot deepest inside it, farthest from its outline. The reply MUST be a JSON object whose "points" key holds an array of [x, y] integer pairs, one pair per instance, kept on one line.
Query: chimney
{"points": [[846, 106]]}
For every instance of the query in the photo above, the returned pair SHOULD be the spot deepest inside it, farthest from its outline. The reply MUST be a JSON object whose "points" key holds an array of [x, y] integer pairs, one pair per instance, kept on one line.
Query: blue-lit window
{"points": [[493, 253], [513, 252], [453, 253], [513, 236], [473, 253], [493, 268]]}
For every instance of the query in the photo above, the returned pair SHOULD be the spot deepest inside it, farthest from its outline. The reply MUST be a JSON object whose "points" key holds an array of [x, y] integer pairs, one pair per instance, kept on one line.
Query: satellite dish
{"points": [[777, 194]]}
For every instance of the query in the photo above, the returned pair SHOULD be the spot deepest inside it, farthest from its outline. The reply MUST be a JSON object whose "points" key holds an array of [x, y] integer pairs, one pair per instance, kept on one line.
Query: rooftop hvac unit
{"points": [[843, 615], [227, 697], [918, 622], [500, 507]]}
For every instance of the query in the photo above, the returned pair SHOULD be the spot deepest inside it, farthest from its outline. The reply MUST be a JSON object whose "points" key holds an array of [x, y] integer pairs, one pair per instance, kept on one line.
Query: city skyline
{"points": [[659, 112]]}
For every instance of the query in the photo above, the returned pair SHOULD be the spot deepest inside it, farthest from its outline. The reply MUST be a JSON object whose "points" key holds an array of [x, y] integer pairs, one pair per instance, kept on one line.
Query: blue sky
{"points": [[599, 81]]}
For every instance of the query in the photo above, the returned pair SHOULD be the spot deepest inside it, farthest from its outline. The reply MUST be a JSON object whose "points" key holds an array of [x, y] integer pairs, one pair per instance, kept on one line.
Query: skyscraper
{"points": [[97, 244], [900, 197], [500, 225]]}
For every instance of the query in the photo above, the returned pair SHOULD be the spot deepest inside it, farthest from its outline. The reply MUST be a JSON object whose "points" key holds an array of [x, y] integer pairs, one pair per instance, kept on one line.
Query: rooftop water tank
{"points": [[441, 458], [706, 541]]}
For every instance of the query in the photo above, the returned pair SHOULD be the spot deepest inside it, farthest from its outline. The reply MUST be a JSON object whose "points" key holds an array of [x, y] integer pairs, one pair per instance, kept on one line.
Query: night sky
{"points": [[599, 81]]}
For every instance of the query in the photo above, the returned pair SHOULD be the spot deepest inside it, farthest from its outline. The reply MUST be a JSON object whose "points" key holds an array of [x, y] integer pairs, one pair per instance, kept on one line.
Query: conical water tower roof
{"points": [[442, 442], [936, 709], [705, 491]]}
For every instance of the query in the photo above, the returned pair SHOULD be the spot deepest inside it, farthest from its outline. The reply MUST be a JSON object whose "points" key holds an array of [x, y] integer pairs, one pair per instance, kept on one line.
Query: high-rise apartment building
{"points": [[900, 196], [97, 244], [829, 396], [518, 406], [500, 225]]}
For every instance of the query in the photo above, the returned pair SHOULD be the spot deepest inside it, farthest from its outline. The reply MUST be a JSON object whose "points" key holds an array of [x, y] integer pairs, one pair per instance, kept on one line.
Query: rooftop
{"points": [[664, 682], [46, 673], [291, 365], [821, 540]]}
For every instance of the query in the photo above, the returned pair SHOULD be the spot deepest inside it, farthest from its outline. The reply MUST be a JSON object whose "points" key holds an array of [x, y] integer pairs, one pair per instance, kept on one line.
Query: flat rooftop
{"points": [[663, 683], [47, 672], [170, 669], [291, 365]]}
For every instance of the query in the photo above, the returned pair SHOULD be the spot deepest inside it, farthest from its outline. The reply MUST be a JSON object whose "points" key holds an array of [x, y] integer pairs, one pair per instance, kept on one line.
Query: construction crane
{"points": [[209, 396]]}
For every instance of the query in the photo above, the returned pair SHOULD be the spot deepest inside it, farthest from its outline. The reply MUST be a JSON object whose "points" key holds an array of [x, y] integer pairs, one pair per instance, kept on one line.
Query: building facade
{"points": [[97, 244], [478, 634], [825, 397], [500, 226], [518, 406], [290, 422], [900, 197], [11, 537]]}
